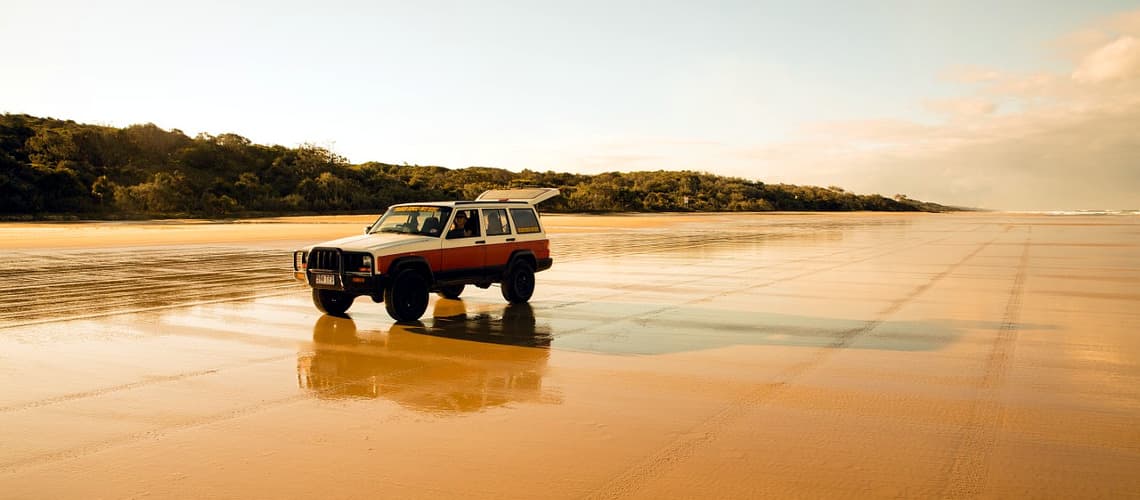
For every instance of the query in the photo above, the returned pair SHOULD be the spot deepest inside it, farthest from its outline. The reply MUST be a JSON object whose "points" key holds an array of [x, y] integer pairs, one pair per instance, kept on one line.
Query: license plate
{"points": [[324, 279]]}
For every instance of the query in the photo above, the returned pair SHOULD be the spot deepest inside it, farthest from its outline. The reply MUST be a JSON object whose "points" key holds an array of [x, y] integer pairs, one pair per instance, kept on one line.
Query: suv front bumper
{"points": [[360, 284]]}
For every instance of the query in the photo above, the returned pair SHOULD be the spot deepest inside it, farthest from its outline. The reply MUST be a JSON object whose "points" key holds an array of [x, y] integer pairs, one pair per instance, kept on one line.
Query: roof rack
{"points": [[472, 202]]}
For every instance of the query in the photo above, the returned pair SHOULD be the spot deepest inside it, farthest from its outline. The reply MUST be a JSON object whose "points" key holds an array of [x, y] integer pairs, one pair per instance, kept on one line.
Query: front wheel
{"points": [[518, 284], [332, 301], [407, 297], [451, 291]]}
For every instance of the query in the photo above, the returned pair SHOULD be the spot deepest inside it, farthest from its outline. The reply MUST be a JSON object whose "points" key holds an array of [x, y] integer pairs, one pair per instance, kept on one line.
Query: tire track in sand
{"points": [[634, 478], [65, 285], [645, 315], [161, 432], [138, 384], [967, 475], [149, 381]]}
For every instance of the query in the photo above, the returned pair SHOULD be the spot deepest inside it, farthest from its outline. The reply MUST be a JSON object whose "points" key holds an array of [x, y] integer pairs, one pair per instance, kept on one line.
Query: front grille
{"points": [[324, 260]]}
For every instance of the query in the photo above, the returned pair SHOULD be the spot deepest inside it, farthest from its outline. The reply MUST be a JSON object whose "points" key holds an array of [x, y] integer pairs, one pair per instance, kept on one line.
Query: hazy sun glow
{"points": [[1023, 105]]}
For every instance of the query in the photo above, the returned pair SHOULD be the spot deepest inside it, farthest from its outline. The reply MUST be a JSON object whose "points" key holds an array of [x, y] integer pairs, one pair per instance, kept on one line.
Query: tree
{"points": [[60, 166], [103, 189]]}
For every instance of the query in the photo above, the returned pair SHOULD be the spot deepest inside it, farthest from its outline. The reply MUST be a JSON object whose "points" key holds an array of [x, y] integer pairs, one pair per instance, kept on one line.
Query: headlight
{"points": [[299, 260]]}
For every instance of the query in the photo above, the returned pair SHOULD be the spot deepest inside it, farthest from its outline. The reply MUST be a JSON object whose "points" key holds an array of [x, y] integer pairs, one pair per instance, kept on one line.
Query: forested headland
{"points": [[53, 168]]}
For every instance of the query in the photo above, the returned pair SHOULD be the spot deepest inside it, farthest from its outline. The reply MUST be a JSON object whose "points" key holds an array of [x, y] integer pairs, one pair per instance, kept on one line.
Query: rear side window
{"points": [[526, 221], [495, 220]]}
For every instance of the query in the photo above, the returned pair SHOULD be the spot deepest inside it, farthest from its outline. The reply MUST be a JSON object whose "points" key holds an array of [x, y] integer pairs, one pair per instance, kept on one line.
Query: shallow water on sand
{"points": [[871, 355]]}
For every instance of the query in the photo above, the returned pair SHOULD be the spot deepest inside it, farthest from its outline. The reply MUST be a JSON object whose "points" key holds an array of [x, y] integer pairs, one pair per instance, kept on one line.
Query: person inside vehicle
{"points": [[460, 228]]}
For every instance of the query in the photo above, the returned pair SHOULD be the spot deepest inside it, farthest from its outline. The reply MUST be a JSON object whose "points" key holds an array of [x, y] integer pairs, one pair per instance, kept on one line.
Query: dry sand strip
{"points": [[282, 232], [833, 355]]}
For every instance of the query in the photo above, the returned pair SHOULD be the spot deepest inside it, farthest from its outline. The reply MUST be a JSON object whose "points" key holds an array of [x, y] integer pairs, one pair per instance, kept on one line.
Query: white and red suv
{"points": [[416, 248]]}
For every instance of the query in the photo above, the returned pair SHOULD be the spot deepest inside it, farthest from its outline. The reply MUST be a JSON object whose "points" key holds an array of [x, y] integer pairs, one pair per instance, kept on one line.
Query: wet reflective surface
{"points": [[776, 355], [454, 363], [44, 285]]}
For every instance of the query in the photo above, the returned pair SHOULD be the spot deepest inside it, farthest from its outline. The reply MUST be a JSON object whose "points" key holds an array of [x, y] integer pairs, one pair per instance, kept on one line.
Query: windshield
{"points": [[421, 220]]}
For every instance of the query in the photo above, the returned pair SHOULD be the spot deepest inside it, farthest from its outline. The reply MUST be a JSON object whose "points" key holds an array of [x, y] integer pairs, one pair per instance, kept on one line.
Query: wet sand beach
{"points": [[663, 356]]}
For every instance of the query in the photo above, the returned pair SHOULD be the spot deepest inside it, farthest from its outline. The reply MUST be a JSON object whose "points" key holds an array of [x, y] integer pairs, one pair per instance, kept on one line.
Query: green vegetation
{"points": [[52, 167]]}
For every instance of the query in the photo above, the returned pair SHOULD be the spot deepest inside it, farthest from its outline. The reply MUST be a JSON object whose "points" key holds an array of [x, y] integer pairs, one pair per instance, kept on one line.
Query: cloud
{"points": [[1115, 61], [1066, 138], [1078, 43], [1061, 139]]}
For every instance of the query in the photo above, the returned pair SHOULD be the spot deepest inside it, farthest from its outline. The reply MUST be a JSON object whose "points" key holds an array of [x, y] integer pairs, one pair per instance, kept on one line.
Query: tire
{"points": [[518, 284], [332, 301], [451, 291], [407, 297]]}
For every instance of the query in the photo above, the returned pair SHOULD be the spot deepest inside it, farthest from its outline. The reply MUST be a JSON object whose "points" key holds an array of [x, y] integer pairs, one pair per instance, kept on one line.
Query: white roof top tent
{"points": [[532, 196]]}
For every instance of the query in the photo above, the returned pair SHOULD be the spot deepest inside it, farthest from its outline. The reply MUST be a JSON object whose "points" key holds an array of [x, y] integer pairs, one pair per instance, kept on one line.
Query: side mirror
{"points": [[366, 229]]}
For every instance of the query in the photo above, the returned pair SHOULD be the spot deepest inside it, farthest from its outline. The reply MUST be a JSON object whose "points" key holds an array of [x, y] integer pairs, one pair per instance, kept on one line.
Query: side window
{"points": [[465, 225], [526, 221], [495, 220]]}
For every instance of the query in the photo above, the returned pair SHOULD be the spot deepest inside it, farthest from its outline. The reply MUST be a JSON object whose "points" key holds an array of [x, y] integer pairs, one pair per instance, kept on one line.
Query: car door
{"points": [[500, 239], [464, 248]]}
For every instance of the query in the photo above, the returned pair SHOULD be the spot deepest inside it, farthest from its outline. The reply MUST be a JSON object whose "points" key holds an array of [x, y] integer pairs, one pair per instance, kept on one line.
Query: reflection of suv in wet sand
{"points": [[445, 367], [416, 248]]}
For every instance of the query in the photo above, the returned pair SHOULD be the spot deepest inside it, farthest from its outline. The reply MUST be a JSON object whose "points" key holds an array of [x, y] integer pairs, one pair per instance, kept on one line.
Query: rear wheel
{"points": [[332, 301], [407, 297], [518, 284], [451, 291]]}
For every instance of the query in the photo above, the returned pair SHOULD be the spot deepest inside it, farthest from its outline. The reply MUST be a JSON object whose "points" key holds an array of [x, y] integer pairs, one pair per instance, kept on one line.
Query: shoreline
{"points": [[299, 230], [280, 232]]}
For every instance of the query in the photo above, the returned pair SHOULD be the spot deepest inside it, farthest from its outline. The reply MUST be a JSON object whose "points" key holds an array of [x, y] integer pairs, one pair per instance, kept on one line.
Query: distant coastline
{"points": [[53, 169], [1076, 212]]}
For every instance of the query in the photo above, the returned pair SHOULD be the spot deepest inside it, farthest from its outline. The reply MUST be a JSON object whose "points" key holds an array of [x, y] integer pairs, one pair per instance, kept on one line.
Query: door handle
{"points": [[480, 242], [510, 239]]}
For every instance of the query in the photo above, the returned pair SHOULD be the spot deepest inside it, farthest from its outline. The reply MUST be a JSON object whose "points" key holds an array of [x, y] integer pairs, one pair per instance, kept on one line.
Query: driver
{"points": [[459, 227]]}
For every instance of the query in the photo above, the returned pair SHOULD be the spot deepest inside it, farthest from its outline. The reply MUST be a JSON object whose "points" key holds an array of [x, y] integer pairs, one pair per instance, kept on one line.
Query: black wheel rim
{"points": [[524, 283], [413, 300]]}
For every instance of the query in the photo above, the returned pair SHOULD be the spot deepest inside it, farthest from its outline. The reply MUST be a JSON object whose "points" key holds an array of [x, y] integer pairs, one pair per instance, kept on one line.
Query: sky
{"points": [[1023, 105]]}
